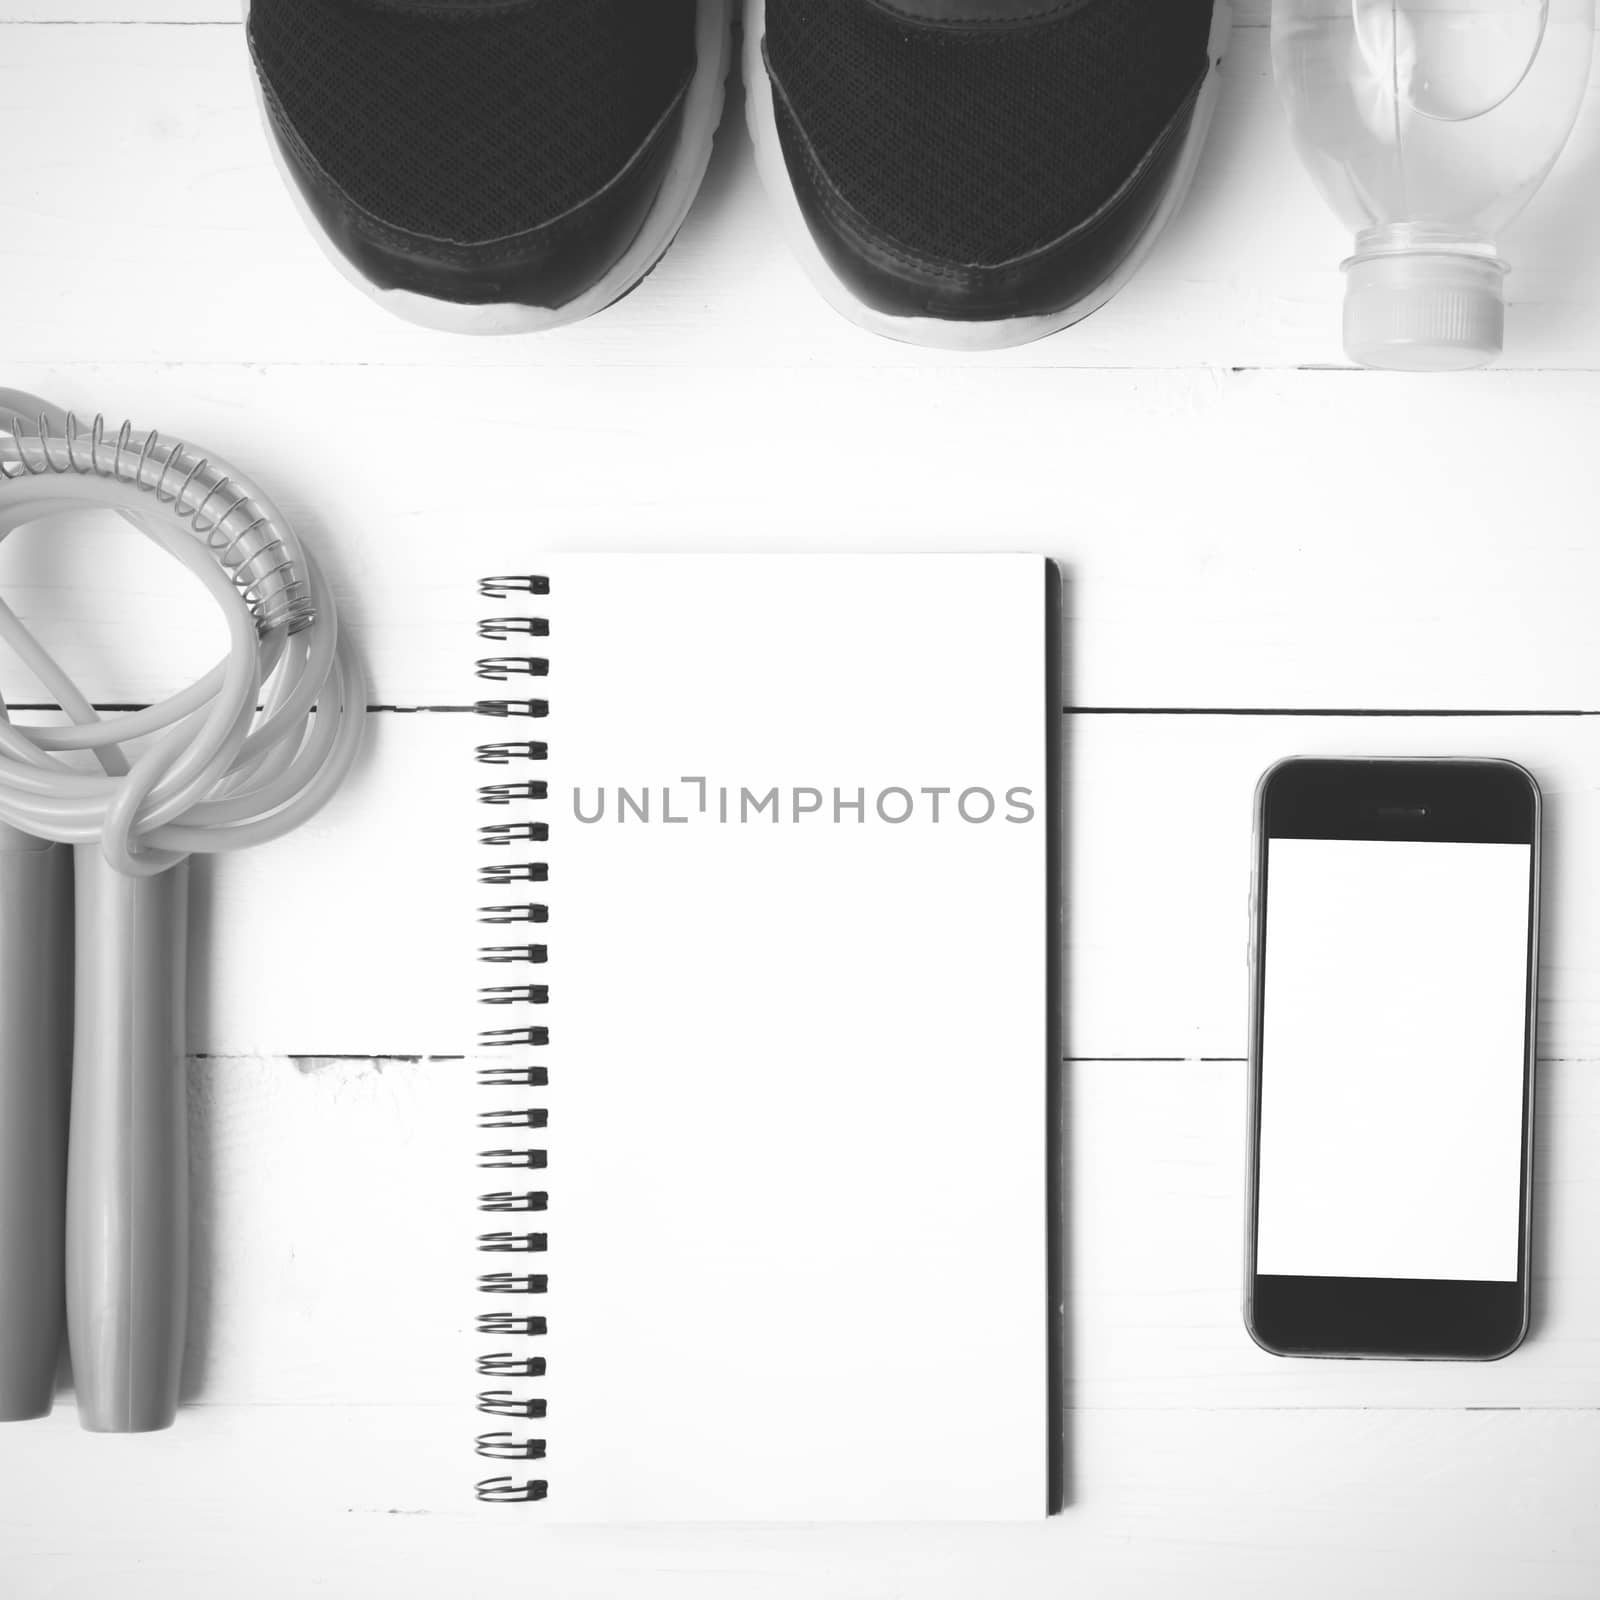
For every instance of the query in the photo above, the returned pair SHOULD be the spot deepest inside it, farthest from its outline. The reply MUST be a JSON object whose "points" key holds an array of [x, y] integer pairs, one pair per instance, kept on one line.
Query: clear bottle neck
{"points": [[1422, 238]]}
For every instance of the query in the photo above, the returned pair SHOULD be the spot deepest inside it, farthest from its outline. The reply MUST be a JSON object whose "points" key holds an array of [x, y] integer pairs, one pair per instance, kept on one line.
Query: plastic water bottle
{"points": [[1428, 125]]}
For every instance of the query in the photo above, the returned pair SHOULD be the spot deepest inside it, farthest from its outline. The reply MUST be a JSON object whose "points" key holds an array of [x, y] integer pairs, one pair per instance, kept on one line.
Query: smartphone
{"points": [[1394, 959]]}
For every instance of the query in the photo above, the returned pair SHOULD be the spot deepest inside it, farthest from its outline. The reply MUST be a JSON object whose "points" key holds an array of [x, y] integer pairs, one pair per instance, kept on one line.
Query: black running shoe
{"points": [[493, 165], [978, 173]]}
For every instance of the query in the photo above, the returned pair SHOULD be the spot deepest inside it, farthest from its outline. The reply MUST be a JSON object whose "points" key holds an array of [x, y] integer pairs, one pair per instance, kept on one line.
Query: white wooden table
{"points": [[1268, 553]]}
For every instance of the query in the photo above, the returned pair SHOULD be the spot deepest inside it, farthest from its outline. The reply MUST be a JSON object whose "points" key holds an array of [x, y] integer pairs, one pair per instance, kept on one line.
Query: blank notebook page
{"points": [[797, 1063]]}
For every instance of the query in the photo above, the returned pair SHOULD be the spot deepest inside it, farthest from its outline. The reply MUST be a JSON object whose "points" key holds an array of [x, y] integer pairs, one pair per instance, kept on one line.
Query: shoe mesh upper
{"points": [[975, 145], [473, 126]]}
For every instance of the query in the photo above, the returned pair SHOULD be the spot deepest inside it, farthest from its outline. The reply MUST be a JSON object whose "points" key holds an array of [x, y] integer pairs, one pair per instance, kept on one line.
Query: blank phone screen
{"points": [[1393, 1037]]}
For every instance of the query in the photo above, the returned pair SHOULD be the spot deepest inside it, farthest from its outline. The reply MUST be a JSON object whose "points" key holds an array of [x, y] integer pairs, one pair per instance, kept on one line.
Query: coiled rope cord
{"points": [[247, 752]]}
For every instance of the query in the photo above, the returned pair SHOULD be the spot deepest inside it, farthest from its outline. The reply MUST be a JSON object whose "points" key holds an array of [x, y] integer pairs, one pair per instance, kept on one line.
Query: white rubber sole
{"points": [[702, 112], [941, 332]]}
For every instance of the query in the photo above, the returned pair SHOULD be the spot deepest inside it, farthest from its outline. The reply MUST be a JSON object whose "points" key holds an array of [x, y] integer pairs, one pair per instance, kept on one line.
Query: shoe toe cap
{"points": [[548, 263], [495, 154], [890, 276], [988, 161]]}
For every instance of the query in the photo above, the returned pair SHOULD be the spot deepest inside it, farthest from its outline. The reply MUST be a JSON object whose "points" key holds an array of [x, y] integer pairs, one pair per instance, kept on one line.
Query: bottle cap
{"points": [[1424, 310]]}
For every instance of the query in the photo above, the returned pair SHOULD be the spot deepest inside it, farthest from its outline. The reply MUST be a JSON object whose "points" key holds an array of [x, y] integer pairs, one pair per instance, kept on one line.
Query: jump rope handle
{"points": [[35, 1071], [127, 1248]]}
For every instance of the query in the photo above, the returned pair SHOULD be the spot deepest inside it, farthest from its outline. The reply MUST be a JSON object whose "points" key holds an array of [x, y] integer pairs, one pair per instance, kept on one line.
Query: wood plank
{"points": [[204, 259], [1291, 539], [356, 934], [1160, 867], [327, 1192], [1215, 1507], [1159, 871], [148, 11], [1157, 916], [1156, 1169]]}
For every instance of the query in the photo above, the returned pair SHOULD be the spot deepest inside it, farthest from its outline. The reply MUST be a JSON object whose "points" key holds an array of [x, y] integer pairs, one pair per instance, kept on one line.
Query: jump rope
{"points": [[98, 819]]}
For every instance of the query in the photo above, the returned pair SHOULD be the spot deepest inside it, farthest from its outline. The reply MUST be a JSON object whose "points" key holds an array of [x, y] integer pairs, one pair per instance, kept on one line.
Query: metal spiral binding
{"points": [[509, 1038], [514, 832], [505, 588], [502, 794], [503, 1365], [500, 874], [516, 994], [514, 1077], [261, 556], [509, 1200], [500, 628], [507, 1322], [512, 1363], [504, 1491], [503, 1403], [529, 1117], [493, 1160], [501, 914], [499, 755], [501, 669], [530, 953], [507, 1447], [513, 708], [517, 1244]]}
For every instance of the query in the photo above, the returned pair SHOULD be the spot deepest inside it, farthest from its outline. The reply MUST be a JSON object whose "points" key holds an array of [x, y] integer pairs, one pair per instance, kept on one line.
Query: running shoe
{"points": [[978, 173], [492, 166]]}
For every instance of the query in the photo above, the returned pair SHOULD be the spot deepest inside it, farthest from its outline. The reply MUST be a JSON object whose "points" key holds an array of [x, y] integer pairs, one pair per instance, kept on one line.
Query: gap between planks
{"points": [[1066, 711]]}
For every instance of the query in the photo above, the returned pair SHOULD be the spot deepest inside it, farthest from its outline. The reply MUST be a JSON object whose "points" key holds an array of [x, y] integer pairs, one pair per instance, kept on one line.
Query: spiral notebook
{"points": [[764, 1038]]}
